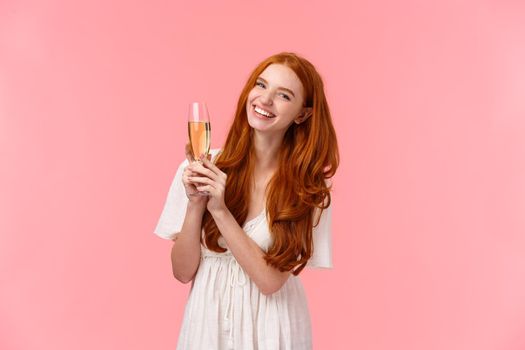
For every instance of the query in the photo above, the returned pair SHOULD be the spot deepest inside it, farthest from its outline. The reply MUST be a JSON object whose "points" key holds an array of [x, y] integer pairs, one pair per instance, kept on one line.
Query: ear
{"points": [[305, 114]]}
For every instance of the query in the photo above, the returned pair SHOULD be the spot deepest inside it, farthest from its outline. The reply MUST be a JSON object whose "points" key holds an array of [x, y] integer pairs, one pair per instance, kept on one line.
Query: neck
{"points": [[266, 151]]}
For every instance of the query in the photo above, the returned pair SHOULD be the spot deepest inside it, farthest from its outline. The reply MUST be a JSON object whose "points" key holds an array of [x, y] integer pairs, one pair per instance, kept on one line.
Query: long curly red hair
{"points": [[307, 157]]}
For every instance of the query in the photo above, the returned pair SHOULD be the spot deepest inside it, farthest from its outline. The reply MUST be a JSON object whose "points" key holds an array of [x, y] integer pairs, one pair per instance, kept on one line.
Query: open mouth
{"points": [[262, 113]]}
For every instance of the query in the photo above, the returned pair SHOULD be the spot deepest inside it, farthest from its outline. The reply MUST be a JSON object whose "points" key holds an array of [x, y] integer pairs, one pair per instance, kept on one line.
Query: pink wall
{"points": [[429, 202]]}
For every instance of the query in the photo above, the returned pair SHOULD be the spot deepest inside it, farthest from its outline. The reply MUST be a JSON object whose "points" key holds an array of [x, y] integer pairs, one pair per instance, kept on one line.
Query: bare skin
{"points": [[186, 250]]}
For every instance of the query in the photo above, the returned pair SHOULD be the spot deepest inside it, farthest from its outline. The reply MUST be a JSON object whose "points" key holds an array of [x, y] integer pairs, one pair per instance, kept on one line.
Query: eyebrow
{"points": [[280, 87]]}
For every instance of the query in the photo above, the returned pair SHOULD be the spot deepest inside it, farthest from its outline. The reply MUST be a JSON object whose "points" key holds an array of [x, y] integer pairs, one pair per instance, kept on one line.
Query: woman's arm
{"points": [[247, 253], [186, 250]]}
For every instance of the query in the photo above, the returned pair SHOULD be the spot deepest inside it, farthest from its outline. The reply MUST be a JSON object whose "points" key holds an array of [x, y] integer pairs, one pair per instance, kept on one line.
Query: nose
{"points": [[267, 98]]}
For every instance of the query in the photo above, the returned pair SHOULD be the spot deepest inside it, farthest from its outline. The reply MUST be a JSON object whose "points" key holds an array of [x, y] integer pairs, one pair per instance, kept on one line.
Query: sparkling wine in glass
{"points": [[199, 132]]}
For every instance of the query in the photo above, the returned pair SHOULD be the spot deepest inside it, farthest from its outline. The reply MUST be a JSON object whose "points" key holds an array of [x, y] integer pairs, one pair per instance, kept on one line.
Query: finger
{"points": [[188, 172], [186, 181], [202, 180], [191, 168], [210, 189], [199, 168], [209, 164], [189, 153]]}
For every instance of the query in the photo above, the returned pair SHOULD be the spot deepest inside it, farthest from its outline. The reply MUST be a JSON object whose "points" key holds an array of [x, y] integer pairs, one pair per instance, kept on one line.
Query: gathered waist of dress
{"points": [[206, 253]]}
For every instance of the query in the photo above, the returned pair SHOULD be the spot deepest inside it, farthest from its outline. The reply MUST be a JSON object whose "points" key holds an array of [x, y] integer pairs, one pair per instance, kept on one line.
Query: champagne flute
{"points": [[199, 132]]}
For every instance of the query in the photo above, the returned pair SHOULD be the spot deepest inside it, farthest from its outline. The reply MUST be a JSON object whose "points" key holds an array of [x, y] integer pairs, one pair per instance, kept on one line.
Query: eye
{"points": [[259, 84], [286, 96]]}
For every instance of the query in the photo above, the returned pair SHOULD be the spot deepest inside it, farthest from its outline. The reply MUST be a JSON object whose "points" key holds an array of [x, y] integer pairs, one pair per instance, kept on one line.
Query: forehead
{"points": [[282, 76]]}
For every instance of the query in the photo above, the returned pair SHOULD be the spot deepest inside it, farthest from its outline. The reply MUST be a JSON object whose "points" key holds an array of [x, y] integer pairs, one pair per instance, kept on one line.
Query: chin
{"points": [[256, 124]]}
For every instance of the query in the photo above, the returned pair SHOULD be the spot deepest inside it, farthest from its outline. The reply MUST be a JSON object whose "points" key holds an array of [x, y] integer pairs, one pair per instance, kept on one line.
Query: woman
{"points": [[266, 217]]}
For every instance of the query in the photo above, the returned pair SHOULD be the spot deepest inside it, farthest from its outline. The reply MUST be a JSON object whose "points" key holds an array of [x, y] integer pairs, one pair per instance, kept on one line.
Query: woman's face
{"points": [[276, 100]]}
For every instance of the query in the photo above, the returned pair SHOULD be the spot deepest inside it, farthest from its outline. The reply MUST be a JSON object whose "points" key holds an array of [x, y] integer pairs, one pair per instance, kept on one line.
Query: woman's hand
{"points": [[189, 186], [211, 179]]}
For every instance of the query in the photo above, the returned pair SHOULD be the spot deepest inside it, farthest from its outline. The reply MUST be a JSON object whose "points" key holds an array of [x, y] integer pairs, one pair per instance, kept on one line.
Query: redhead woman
{"points": [[266, 217]]}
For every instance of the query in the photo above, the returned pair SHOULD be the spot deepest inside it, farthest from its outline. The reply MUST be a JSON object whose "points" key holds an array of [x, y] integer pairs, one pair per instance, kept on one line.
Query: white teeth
{"points": [[263, 112]]}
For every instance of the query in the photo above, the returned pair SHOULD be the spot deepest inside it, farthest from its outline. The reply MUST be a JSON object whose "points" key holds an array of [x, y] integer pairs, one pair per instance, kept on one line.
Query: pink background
{"points": [[428, 98]]}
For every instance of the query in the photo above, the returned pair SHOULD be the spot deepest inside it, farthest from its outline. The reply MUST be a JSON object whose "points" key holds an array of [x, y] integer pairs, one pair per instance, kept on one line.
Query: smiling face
{"points": [[276, 100]]}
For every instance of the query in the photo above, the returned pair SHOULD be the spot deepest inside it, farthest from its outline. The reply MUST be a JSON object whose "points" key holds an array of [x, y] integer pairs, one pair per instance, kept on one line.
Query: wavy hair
{"points": [[307, 157]]}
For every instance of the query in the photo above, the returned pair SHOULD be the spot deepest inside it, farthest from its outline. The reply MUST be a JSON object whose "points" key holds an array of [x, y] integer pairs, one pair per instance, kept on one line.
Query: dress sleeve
{"points": [[322, 237], [172, 216]]}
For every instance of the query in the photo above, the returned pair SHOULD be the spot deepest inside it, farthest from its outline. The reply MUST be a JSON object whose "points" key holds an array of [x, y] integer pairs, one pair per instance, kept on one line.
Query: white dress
{"points": [[225, 309]]}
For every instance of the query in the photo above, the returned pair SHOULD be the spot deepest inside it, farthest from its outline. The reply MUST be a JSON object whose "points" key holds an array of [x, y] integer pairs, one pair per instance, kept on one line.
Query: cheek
{"points": [[251, 96], [287, 114], [289, 111]]}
